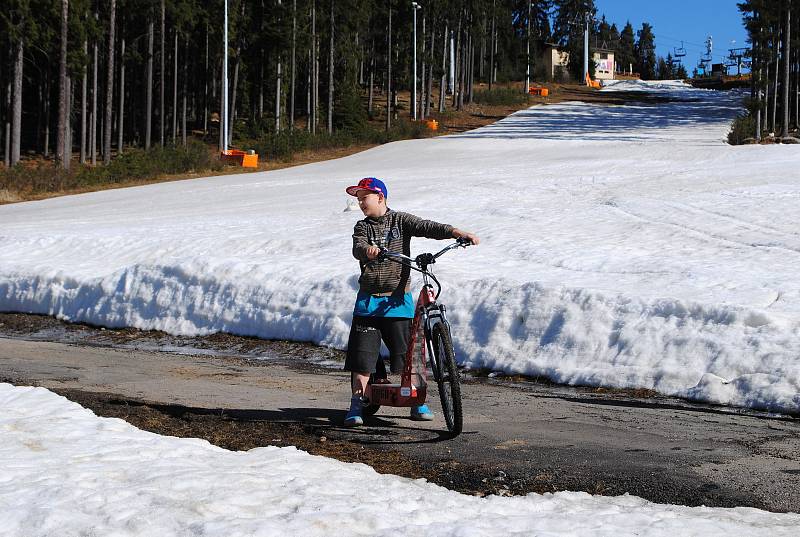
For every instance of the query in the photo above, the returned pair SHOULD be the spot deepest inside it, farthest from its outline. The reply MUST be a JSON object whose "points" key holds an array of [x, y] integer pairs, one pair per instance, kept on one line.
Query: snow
{"points": [[67, 472], [623, 246]]}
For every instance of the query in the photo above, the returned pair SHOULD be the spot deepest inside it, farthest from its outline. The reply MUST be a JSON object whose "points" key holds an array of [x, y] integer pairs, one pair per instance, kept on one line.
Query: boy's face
{"points": [[372, 204]]}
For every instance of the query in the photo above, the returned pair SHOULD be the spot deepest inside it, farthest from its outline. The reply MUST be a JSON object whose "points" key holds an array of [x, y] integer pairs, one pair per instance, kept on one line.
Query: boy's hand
{"points": [[373, 252], [471, 237]]}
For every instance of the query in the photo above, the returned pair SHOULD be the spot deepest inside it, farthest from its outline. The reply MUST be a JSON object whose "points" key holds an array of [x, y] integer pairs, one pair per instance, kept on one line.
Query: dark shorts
{"points": [[364, 344]]}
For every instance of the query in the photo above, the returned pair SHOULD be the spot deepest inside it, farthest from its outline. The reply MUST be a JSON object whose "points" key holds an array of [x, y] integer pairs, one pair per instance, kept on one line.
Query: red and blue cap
{"points": [[368, 183]]}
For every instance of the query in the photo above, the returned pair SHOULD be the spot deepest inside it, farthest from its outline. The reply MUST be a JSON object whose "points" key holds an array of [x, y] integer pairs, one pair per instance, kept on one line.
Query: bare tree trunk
{"points": [[16, 104], [429, 92], [293, 80], [148, 118], [163, 78], [796, 73], [68, 126], [308, 92], [443, 81], [422, 86], [787, 35], [93, 133], [233, 94], [796, 87], [495, 47], [314, 70], [371, 99], [330, 78], [775, 90], [121, 112], [360, 49], [7, 126], [62, 87], [461, 73], [766, 95], [526, 89], [185, 77], [222, 109], [758, 83], [46, 149], [482, 63], [471, 71], [456, 75], [109, 85], [175, 92], [261, 87], [236, 78], [492, 49], [84, 97], [278, 87], [389, 72], [205, 88]]}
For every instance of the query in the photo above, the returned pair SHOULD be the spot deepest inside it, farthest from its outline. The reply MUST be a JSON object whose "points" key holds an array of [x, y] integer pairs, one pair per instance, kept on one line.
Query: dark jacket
{"points": [[393, 231]]}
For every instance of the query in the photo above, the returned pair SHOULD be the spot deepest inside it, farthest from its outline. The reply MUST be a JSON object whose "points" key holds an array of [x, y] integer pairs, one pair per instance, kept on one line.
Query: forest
{"points": [[773, 108], [85, 82]]}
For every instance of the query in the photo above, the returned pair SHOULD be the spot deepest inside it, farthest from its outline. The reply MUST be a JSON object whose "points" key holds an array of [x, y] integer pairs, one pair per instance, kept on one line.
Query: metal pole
{"points": [[225, 83], [528, 53], [586, 49], [451, 73]]}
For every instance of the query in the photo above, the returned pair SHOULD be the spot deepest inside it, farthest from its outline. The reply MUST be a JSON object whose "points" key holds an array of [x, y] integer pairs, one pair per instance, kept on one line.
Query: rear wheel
{"points": [[449, 381]]}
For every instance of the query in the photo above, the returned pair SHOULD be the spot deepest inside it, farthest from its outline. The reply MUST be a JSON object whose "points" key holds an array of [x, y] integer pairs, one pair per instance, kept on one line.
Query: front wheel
{"points": [[449, 381]]}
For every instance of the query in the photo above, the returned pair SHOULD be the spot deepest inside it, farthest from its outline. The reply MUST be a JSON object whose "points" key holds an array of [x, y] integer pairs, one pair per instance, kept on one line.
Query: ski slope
{"points": [[622, 246]]}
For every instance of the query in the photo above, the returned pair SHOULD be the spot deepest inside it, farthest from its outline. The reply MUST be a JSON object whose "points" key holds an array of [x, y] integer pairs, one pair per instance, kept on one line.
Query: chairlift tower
{"points": [[737, 57]]}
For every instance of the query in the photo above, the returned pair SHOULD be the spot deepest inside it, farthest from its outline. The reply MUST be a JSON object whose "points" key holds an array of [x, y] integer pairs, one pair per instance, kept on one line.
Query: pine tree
{"points": [[626, 52], [645, 51], [568, 31]]}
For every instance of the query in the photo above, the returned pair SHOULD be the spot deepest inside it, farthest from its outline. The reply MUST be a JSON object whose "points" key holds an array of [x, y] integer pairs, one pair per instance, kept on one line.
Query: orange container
{"points": [[432, 124], [245, 159], [543, 92]]}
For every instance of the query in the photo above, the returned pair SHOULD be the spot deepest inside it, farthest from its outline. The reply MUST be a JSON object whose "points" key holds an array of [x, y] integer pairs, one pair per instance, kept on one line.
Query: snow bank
{"points": [[67, 472], [623, 246]]}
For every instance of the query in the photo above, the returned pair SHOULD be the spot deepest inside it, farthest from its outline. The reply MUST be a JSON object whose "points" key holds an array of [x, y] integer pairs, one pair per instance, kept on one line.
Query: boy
{"points": [[384, 305]]}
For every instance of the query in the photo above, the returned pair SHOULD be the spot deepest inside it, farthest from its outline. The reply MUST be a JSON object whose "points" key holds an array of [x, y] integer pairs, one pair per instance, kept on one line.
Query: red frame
{"points": [[408, 392]]}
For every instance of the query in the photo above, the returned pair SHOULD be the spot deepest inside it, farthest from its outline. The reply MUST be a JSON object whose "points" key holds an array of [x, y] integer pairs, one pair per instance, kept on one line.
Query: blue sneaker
{"points": [[421, 413], [353, 417]]}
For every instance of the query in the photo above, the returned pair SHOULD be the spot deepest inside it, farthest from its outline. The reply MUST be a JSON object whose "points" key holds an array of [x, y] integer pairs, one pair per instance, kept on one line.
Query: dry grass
{"points": [[472, 116], [6, 196]]}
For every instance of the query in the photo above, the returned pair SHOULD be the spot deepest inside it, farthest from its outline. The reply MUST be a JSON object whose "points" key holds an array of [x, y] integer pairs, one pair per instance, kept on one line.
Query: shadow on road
{"points": [[376, 431]]}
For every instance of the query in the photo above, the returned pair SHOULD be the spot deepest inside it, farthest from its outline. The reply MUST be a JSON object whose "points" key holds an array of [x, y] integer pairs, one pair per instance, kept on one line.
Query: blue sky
{"points": [[675, 20]]}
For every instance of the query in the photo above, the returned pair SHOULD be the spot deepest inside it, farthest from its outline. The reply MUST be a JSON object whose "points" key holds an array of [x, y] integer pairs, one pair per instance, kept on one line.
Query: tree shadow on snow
{"points": [[629, 123]]}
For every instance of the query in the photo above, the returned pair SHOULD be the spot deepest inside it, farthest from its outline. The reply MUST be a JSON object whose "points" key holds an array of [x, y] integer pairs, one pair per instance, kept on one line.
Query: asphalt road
{"points": [[518, 436]]}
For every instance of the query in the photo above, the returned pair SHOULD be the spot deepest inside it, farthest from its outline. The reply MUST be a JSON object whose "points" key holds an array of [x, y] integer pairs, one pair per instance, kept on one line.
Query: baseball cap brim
{"points": [[353, 190]]}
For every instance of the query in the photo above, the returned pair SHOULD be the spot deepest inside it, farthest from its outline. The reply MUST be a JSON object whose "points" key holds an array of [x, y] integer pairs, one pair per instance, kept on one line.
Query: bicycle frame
{"points": [[412, 390]]}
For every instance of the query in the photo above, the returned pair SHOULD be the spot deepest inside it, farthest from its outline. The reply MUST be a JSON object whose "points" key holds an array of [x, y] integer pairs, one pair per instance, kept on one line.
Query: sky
{"points": [[690, 21]]}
